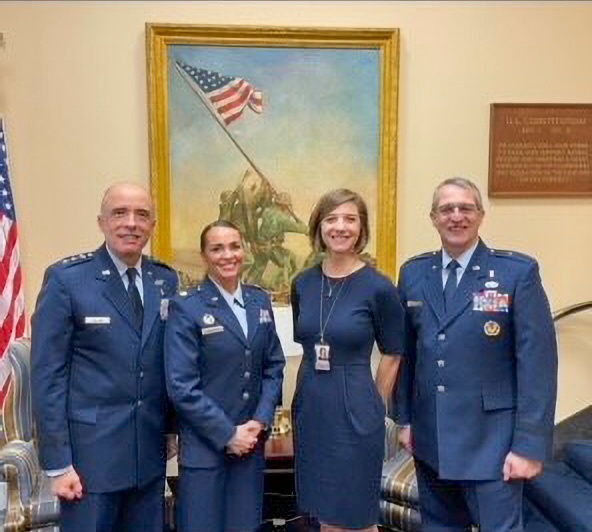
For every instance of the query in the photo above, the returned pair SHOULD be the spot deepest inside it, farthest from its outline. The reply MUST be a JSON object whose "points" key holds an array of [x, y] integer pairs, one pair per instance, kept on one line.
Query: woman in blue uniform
{"points": [[341, 308], [224, 367]]}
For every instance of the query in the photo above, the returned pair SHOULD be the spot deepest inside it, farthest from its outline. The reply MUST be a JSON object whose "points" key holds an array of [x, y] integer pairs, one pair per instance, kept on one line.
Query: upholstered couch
{"points": [[558, 501], [26, 502], [399, 498]]}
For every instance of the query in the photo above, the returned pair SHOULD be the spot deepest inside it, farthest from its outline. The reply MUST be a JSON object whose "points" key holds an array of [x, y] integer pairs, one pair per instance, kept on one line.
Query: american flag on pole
{"points": [[12, 299], [226, 94]]}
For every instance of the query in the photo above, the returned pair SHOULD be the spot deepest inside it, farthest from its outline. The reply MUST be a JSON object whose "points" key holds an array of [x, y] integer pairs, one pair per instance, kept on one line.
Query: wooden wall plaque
{"points": [[540, 150]]}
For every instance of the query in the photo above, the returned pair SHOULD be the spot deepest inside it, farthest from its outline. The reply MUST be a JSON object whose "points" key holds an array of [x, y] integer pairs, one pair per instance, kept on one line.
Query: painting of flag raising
{"points": [[255, 134]]}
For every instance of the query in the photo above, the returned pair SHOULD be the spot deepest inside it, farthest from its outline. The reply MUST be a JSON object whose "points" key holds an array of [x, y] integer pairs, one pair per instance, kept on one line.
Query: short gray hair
{"points": [[460, 182]]}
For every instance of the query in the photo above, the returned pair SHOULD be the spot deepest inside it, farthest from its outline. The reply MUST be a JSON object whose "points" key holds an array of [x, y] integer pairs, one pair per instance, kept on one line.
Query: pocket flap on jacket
{"points": [[84, 415], [498, 401]]}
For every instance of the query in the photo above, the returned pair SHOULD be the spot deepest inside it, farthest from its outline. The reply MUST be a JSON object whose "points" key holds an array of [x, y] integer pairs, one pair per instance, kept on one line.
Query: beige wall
{"points": [[73, 92]]}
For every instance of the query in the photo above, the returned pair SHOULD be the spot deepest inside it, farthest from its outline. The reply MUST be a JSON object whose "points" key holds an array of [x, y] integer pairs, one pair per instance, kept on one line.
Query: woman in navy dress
{"points": [[224, 367], [341, 308]]}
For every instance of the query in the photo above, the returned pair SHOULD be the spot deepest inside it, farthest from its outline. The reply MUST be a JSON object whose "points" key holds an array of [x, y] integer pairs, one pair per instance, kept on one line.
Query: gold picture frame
{"points": [[331, 122]]}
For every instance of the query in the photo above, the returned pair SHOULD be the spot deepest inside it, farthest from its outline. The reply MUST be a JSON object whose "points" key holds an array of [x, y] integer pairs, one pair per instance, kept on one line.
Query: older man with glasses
{"points": [[478, 390]]}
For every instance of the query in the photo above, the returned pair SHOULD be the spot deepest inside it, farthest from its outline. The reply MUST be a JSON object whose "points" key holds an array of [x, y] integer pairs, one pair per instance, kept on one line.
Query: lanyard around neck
{"points": [[322, 326]]}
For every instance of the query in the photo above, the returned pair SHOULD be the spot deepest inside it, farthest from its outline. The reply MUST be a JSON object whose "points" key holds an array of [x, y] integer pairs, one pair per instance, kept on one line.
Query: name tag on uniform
{"points": [[414, 303], [97, 320], [212, 330]]}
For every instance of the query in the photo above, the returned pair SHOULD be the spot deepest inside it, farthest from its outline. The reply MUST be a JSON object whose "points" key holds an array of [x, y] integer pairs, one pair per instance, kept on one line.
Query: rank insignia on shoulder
{"points": [[81, 257], [491, 301], [492, 328], [426, 255]]}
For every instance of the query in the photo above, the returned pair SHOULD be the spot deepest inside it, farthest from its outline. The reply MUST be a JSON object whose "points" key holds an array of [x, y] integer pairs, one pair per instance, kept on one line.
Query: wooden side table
{"points": [[280, 492]]}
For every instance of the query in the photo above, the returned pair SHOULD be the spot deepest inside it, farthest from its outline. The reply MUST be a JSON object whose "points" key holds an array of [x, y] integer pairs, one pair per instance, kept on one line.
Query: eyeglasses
{"points": [[465, 209]]}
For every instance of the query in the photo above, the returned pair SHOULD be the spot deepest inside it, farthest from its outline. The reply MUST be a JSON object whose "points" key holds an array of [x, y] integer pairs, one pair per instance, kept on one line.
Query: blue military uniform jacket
{"points": [[216, 377], [481, 379], [98, 382]]}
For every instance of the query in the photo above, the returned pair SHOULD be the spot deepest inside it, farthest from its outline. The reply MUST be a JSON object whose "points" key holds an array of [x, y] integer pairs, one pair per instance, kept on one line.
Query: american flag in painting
{"points": [[12, 299], [228, 95]]}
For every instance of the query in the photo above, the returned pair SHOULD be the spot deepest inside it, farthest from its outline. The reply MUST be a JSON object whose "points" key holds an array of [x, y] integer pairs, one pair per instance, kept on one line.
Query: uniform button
{"points": [[140, 402], [141, 374], [441, 389], [245, 396], [441, 336], [247, 375], [441, 363], [248, 352]]}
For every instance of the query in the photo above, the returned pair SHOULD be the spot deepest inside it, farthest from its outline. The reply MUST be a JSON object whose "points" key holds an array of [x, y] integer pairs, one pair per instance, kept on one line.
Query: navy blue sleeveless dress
{"points": [[339, 414]]}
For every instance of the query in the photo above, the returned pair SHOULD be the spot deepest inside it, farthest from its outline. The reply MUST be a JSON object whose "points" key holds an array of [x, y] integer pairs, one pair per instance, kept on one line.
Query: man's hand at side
{"points": [[67, 486], [406, 438], [519, 467], [172, 446]]}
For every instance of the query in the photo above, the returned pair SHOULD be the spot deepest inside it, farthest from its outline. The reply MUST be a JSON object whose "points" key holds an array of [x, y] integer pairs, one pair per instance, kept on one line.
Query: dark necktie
{"points": [[238, 303], [134, 294], [450, 286]]}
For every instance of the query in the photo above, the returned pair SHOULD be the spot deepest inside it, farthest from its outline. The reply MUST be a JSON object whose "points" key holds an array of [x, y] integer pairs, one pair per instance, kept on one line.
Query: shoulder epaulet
{"points": [[158, 262], [257, 287], [76, 259], [190, 291], [422, 256], [508, 254]]}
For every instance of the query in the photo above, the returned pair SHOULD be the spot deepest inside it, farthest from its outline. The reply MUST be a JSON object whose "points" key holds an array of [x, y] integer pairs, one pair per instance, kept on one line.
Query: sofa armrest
{"points": [[22, 456], [18, 464]]}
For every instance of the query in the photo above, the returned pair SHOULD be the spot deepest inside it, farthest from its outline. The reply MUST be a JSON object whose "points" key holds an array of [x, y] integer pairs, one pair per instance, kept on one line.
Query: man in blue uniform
{"points": [[98, 382], [477, 394]]}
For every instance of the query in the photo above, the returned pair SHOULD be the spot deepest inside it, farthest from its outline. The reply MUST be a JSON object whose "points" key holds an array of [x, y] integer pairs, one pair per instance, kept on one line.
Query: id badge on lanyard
{"points": [[323, 356], [322, 348]]}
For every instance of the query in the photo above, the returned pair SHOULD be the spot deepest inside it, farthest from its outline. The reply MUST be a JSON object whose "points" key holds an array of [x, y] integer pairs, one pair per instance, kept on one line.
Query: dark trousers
{"points": [[455, 505], [131, 510]]}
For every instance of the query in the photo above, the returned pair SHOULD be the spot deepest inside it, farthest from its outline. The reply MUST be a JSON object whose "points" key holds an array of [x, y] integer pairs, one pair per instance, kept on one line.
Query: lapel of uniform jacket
{"points": [[152, 297], [470, 282], [114, 288], [220, 309], [433, 290], [253, 311]]}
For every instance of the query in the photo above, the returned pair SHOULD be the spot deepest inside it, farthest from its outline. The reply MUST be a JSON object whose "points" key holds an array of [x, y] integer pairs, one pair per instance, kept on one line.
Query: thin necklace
{"points": [[321, 325], [331, 286], [351, 269]]}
